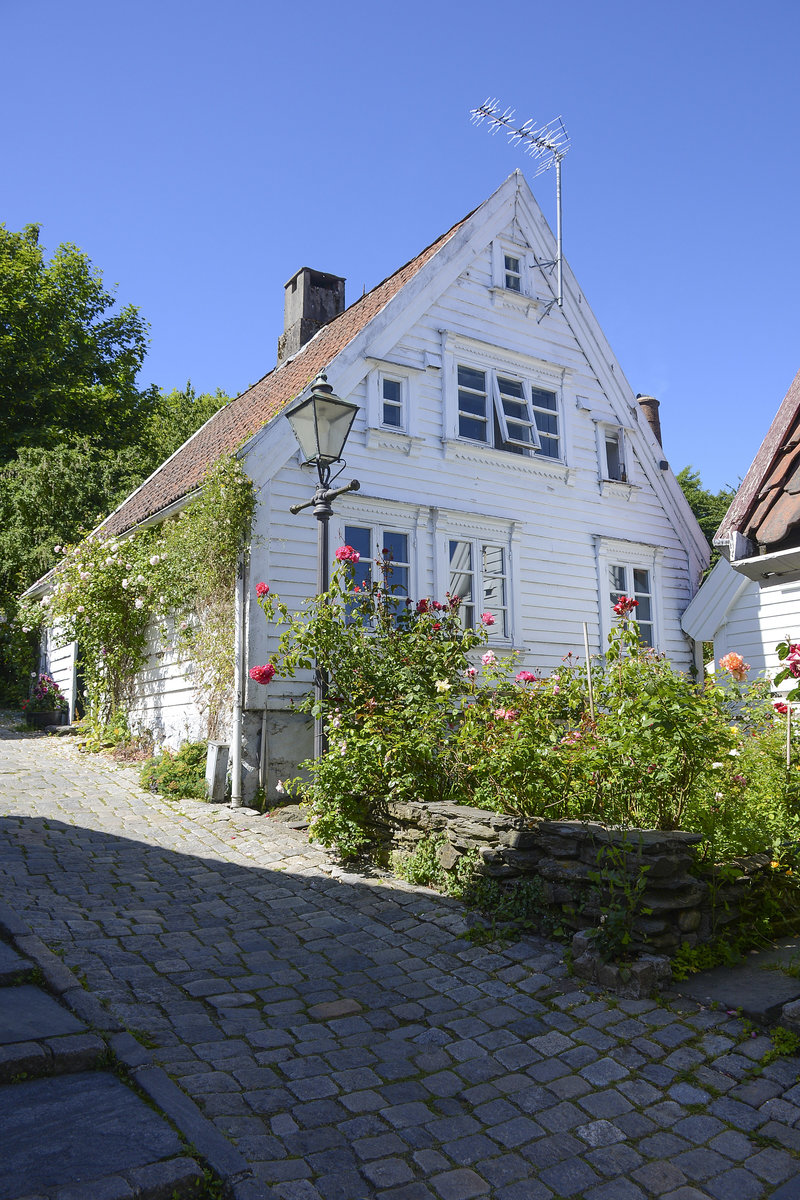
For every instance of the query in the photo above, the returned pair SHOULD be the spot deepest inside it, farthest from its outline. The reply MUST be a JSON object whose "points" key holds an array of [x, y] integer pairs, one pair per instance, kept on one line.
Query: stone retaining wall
{"points": [[587, 869]]}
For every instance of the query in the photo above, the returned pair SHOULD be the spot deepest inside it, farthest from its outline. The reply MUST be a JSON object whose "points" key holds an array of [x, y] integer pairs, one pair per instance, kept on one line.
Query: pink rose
{"points": [[488, 658], [348, 554], [525, 677], [262, 589], [262, 674], [487, 618]]}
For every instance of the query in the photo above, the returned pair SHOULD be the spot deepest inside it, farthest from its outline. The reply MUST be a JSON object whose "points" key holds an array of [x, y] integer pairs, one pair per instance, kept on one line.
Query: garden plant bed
{"points": [[630, 899]]}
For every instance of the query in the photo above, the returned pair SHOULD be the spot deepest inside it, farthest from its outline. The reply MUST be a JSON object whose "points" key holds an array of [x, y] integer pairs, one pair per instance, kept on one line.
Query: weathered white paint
{"points": [[737, 614], [59, 661], [165, 697], [560, 523]]}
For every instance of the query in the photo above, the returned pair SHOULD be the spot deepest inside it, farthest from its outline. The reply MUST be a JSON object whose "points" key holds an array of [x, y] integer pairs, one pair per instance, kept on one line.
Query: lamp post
{"points": [[321, 423]]}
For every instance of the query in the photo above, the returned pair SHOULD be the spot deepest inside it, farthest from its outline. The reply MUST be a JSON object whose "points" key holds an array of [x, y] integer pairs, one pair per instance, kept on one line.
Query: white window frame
{"points": [[494, 409], [407, 377], [500, 251], [502, 535], [618, 431], [632, 556], [380, 517], [401, 403]]}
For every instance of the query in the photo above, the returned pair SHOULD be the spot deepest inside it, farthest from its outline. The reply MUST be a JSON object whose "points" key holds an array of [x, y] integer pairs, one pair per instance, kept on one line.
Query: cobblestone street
{"points": [[339, 1032]]}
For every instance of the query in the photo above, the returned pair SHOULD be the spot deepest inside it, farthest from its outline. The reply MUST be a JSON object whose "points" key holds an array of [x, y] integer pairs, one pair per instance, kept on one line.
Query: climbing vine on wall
{"points": [[111, 594]]}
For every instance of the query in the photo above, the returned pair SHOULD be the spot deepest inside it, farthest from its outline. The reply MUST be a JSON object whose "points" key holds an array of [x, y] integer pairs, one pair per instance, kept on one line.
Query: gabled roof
{"points": [[766, 508], [184, 471]]}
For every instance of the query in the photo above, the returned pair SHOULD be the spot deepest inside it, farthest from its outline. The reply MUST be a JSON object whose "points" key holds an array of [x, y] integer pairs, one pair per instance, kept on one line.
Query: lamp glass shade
{"points": [[321, 425]]}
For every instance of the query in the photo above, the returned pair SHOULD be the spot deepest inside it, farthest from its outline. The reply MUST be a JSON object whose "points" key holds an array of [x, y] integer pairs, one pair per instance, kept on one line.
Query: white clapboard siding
{"points": [[58, 661], [165, 696], [555, 520], [756, 621]]}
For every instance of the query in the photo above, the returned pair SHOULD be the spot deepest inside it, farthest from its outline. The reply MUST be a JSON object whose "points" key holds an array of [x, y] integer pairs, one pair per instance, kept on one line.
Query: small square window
{"points": [[392, 401], [512, 269], [614, 451]]}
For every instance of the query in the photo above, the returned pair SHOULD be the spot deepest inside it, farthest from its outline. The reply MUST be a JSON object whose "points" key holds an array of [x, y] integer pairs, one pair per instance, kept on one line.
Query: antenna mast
{"points": [[546, 144]]}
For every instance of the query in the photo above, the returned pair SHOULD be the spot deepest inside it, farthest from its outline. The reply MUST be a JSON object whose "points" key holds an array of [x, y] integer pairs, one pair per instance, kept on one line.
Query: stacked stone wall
{"points": [[586, 869]]}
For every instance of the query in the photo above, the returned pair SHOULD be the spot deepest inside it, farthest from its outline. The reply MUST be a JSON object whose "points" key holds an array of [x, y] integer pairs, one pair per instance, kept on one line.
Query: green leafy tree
{"points": [[708, 507], [68, 364], [77, 434]]}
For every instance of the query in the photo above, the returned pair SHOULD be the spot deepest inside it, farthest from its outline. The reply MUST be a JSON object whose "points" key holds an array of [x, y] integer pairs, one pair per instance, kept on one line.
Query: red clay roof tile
{"points": [[243, 417]]}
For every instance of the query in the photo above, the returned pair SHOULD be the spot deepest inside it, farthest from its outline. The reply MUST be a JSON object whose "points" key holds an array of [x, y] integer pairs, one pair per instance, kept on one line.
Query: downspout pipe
{"points": [[238, 683]]}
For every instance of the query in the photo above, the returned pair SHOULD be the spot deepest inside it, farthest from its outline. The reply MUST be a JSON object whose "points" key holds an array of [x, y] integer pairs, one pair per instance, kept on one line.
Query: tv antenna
{"points": [[547, 145]]}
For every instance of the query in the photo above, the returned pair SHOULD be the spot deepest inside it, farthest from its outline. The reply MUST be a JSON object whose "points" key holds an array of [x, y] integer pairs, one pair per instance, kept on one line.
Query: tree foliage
{"points": [[68, 364], [77, 433], [708, 507]]}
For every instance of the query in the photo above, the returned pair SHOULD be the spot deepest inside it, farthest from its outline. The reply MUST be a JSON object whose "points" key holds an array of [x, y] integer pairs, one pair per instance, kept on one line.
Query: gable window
{"points": [[478, 575], [614, 448], [376, 546], [507, 412], [392, 403], [512, 272], [624, 579]]}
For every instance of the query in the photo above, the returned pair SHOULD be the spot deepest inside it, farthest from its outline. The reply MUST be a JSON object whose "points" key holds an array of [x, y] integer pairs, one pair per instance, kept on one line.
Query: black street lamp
{"points": [[321, 423]]}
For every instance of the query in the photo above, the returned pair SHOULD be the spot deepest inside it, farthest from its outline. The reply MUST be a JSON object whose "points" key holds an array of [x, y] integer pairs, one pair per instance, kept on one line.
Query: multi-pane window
{"points": [[383, 557], [507, 412], [615, 461], [512, 272], [636, 583], [392, 402], [545, 414], [473, 405], [478, 576]]}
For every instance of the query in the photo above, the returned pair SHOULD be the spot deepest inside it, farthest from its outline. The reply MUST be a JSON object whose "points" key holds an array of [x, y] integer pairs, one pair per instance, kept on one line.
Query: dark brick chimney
{"points": [[311, 301], [649, 406]]}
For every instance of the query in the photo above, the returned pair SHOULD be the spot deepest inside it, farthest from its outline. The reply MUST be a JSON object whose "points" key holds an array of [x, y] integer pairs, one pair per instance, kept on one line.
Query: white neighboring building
{"points": [[751, 600], [498, 446]]}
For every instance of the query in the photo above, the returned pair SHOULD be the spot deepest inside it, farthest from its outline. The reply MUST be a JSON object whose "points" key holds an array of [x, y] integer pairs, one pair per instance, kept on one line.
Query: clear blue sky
{"points": [[201, 152]]}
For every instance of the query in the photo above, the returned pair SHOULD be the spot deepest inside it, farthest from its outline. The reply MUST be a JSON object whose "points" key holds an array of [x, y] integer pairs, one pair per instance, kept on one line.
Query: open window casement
{"points": [[514, 414], [613, 440]]}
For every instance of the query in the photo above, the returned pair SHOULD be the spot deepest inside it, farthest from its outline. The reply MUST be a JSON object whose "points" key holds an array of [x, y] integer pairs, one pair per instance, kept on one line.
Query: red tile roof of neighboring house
{"points": [[766, 507], [239, 420]]}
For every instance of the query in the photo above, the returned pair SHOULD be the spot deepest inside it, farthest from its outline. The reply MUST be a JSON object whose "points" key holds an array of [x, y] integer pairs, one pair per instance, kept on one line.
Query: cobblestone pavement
{"points": [[337, 1029]]}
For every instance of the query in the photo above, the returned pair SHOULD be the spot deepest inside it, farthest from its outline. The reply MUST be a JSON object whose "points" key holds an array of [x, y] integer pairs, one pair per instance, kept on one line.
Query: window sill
{"points": [[392, 439], [535, 464], [506, 298], [615, 487]]}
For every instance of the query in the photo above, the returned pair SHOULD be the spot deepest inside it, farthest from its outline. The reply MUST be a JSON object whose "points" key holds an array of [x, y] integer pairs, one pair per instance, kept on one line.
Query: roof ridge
{"points": [[258, 404]]}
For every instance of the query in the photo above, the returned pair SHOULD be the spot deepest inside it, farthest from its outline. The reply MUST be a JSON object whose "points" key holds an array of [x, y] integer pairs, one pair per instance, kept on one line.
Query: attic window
{"points": [[613, 444], [513, 273]]}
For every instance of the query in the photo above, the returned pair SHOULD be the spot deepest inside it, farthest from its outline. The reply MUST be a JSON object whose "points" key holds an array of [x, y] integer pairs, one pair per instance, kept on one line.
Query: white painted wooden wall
{"points": [[59, 661], [555, 515], [756, 621], [165, 699]]}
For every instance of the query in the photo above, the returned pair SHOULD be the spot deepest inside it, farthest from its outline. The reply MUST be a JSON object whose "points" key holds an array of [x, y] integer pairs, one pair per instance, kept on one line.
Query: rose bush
{"points": [[409, 715]]}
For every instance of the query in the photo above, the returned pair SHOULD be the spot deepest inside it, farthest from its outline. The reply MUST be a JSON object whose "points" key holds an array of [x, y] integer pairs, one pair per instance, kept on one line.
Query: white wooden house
{"points": [[751, 600], [498, 445]]}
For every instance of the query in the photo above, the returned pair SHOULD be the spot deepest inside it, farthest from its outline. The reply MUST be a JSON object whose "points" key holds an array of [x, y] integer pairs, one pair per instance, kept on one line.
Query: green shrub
{"points": [[412, 713], [180, 775]]}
